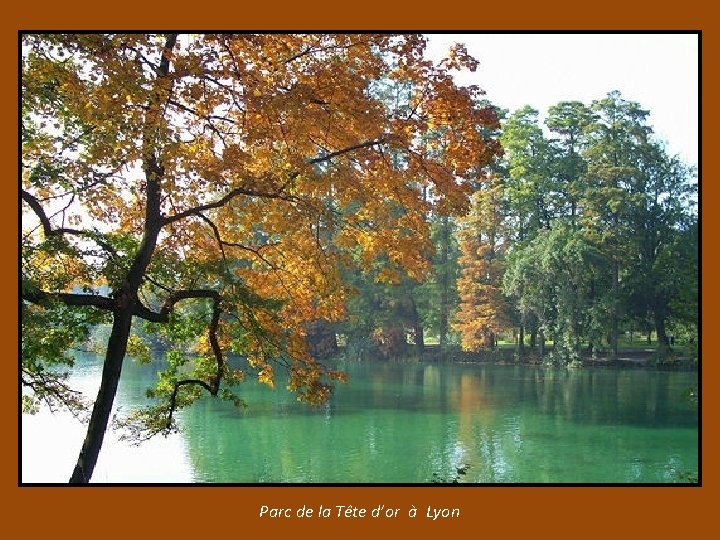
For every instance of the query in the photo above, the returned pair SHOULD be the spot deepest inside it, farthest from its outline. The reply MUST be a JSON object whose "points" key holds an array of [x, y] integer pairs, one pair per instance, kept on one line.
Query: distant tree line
{"points": [[586, 228]]}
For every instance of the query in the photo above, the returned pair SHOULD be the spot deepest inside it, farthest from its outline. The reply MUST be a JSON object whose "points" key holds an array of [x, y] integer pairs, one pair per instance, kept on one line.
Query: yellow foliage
{"points": [[482, 312], [266, 376], [279, 158]]}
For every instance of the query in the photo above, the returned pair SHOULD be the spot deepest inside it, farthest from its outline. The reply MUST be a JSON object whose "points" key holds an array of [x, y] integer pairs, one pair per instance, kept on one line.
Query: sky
{"points": [[659, 71]]}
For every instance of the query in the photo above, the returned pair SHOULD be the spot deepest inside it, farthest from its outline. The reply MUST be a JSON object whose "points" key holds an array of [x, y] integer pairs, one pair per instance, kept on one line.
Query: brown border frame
{"points": [[511, 511]]}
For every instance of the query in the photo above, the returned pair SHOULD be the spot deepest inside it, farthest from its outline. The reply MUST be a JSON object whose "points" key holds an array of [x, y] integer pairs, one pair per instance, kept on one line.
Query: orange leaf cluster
{"points": [[280, 158], [483, 311]]}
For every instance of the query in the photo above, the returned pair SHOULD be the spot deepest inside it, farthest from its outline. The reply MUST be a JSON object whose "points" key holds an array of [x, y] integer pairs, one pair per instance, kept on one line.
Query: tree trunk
{"points": [[614, 332], [117, 345], [521, 340], [660, 329], [417, 327], [576, 331], [444, 283], [391, 340], [126, 299], [419, 337], [128, 291]]}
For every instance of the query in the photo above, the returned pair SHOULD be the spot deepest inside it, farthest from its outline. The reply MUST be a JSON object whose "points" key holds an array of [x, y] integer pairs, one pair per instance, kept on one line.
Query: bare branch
{"points": [[48, 230]]}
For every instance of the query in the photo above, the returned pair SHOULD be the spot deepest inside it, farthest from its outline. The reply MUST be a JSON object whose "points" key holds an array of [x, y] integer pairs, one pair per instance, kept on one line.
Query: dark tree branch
{"points": [[70, 299], [173, 397], [39, 212], [164, 67], [237, 192], [254, 251], [158, 284], [207, 118], [216, 232], [304, 52], [222, 243], [192, 111], [366, 144], [163, 316], [48, 230]]}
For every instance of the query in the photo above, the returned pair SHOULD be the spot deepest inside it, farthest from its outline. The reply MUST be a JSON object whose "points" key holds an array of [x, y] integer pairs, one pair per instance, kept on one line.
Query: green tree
{"points": [[682, 265], [553, 277], [569, 120], [661, 220], [527, 165], [528, 162], [626, 203], [614, 140]]}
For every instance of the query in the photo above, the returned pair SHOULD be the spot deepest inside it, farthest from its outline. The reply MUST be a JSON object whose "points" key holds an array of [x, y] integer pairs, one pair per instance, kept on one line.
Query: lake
{"points": [[400, 423]]}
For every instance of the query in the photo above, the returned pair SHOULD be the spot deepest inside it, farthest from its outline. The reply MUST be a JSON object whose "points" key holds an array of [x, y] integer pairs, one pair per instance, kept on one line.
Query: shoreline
{"points": [[627, 358]]}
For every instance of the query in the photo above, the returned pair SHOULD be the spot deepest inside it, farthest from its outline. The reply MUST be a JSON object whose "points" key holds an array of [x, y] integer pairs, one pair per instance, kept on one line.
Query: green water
{"points": [[408, 423]]}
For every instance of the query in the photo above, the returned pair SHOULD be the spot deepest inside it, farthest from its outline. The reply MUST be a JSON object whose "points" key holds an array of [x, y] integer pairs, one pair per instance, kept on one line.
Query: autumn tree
{"points": [[482, 310], [201, 179]]}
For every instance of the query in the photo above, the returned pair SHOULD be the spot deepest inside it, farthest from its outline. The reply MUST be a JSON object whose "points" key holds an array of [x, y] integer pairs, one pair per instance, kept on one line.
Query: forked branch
{"points": [[163, 316]]}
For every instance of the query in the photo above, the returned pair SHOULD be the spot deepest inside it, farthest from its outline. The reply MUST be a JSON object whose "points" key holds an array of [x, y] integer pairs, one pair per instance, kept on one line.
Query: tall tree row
{"points": [[586, 228], [600, 230]]}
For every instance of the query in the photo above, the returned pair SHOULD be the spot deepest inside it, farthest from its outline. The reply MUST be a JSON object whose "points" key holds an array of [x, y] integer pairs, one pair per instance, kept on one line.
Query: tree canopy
{"points": [[216, 187]]}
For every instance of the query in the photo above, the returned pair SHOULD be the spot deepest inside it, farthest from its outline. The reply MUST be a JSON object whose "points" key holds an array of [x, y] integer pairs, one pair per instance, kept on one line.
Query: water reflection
{"points": [[405, 423], [51, 442], [415, 423]]}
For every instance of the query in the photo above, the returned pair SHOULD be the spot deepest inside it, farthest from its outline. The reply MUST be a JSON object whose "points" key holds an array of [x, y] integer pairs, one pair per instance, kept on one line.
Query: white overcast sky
{"points": [[659, 71]]}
